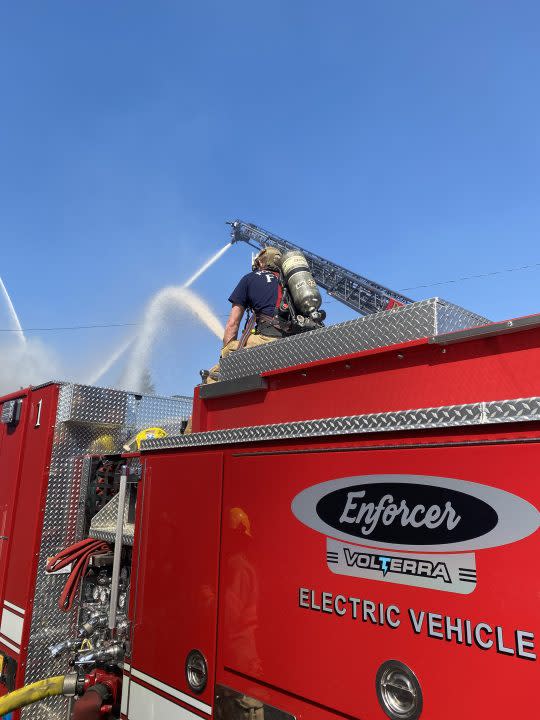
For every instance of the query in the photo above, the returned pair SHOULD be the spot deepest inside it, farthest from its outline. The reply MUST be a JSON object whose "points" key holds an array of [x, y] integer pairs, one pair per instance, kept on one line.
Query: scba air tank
{"points": [[302, 286]]}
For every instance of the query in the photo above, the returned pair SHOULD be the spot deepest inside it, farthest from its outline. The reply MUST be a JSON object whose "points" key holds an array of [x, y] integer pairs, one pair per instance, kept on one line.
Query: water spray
{"points": [[111, 360], [12, 314], [161, 303], [167, 300], [206, 265]]}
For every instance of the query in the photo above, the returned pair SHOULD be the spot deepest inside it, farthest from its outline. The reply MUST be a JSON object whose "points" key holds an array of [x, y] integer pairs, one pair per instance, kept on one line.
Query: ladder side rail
{"points": [[353, 290]]}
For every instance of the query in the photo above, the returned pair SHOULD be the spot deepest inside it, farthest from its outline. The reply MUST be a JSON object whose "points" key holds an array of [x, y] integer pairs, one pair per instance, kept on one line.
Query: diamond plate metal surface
{"points": [[418, 320], [450, 318], [170, 410], [88, 404], [519, 410], [84, 416], [522, 410], [103, 525]]}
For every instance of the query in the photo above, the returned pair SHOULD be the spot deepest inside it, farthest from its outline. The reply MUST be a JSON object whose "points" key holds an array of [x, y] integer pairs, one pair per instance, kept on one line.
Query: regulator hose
{"points": [[33, 693]]}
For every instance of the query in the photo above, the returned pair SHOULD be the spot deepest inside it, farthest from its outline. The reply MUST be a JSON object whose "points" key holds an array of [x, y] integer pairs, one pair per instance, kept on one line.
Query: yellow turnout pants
{"points": [[254, 340]]}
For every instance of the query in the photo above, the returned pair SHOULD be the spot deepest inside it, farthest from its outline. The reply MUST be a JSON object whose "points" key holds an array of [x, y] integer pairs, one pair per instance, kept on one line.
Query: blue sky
{"points": [[398, 138]]}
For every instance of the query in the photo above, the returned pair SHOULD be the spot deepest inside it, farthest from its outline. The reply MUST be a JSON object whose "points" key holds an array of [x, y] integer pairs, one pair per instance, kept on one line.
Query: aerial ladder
{"points": [[357, 292]]}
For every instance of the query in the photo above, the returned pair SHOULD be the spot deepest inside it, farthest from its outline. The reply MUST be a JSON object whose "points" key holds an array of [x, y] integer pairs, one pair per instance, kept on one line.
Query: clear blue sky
{"points": [[399, 138]]}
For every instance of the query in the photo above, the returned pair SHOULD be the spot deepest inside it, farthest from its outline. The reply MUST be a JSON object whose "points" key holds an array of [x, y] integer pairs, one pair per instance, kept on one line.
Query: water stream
{"points": [[24, 361], [112, 359], [206, 265], [27, 362], [14, 318], [164, 303]]}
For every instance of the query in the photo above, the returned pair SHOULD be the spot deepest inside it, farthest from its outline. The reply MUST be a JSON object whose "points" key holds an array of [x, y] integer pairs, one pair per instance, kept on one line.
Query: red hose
{"points": [[88, 707], [79, 556]]}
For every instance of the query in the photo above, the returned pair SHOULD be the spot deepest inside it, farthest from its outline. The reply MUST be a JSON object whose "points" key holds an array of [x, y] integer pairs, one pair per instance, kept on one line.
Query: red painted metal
{"points": [[320, 665], [113, 682], [176, 580], [224, 566], [11, 448], [25, 451], [26, 538], [412, 375], [332, 661]]}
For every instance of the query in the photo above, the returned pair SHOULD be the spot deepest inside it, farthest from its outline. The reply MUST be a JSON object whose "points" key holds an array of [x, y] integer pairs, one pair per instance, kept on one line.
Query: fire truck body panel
{"points": [[25, 451], [46, 435], [333, 648], [177, 577], [12, 437], [440, 446], [333, 526], [31, 495], [416, 374], [300, 634]]}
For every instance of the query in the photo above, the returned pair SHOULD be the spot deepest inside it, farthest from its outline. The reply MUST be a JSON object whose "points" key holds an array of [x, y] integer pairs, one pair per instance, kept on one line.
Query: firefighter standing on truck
{"points": [[259, 291]]}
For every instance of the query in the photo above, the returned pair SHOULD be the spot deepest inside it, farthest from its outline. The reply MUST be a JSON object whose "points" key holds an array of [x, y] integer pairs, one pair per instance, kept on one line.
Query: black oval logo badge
{"points": [[408, 514], [416, 512]]}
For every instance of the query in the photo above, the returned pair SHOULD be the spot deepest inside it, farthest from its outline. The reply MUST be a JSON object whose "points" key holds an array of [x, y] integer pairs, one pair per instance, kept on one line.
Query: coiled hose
{"points": [[32, 693], [78, 556]]}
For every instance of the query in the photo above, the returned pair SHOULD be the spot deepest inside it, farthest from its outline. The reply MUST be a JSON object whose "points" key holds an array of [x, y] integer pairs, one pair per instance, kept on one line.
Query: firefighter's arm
{"points": [[233, 323]]}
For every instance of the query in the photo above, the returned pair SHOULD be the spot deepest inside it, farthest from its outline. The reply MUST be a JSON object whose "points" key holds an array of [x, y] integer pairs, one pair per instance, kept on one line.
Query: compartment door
{"points": [[12, 432], [356, 557], [175, 603]]}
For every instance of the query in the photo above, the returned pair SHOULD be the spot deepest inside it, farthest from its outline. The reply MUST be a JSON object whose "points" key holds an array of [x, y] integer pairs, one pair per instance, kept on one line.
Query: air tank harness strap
{"points": [[275, 326], [248, 329], [77, 555]]}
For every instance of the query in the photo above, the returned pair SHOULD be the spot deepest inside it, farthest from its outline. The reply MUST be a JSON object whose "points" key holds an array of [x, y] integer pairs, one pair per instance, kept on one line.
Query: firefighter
{"points": [[259, 291]]}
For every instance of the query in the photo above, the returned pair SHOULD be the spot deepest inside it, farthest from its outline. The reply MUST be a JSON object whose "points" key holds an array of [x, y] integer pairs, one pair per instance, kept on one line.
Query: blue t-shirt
{"points": [[257, 290]]}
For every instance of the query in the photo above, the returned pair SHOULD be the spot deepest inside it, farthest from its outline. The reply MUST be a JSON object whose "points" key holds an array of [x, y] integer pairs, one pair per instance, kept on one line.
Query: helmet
{"points": [[134, 443], [271, 256], [238, 518], [103, 444]]}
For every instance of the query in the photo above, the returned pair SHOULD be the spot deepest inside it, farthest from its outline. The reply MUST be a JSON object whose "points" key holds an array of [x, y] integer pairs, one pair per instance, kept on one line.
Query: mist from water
{"points": [[29, 364], [27, 361], [23, 361]]}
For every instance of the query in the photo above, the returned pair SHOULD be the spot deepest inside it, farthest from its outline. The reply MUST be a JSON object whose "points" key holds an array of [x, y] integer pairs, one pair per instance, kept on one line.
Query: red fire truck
{"points": [[350, 532]]}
